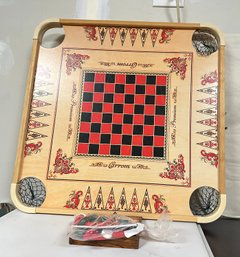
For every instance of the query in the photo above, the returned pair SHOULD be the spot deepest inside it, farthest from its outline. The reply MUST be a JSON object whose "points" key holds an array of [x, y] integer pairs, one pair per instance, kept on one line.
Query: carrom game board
{"points": [[124, 117]]}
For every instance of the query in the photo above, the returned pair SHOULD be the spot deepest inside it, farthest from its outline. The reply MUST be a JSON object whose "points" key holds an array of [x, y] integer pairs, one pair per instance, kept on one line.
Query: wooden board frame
{"points": [[182, 214]]}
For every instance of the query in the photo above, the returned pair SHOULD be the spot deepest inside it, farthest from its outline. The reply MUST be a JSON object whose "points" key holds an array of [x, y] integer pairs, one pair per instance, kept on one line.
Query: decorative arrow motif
{"points": [[209, 111], [209, 133], [209, 101], [213, 144]]}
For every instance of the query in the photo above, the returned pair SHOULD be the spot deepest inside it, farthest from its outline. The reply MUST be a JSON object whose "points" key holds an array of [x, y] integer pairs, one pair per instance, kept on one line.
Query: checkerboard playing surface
{"points": [[123, 115]]}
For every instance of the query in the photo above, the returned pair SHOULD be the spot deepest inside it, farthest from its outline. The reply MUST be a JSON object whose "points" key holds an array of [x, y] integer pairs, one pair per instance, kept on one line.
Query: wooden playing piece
{"points": [[124, 117]]}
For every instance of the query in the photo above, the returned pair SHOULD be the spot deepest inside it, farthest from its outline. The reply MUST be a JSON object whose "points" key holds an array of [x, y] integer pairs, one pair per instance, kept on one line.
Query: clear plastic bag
{"points": [[162, 229], [94, 227]]}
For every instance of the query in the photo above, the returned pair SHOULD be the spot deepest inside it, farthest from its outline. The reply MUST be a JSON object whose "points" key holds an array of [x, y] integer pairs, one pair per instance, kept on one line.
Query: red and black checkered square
{"points": [[123, 114]]}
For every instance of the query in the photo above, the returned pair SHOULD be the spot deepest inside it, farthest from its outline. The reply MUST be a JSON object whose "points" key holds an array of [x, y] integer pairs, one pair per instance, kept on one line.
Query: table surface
{"points": [[47, 235]]}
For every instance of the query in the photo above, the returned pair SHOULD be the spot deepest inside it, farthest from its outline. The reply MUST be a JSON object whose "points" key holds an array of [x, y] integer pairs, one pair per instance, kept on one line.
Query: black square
{"points": [[129, 99], [159, 131], [149, 99], [136, 151], [89, 77], [97, 107], [93, 148], [161, 90], [130, 79], [117, 129], [119, 88], [115, 149], [86, 116], [138, 129], [107, 118], [95, 127], [99, 87], [83, 138], [108, 98], [151, 80], [139, 109], [118, 108], [148, 120], [158, 152], [128, 119], [160, 110], [87, 97], [148, 140], [105, 138], [110, 78], [140, 89], [126, 140]]}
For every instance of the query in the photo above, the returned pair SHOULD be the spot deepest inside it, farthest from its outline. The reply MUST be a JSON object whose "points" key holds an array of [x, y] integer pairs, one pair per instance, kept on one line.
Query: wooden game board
{"points": [[124, 117]]}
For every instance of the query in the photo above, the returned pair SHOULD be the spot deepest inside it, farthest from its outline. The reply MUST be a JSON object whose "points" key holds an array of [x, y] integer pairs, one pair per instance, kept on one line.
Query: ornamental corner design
{"points": [[177, 65], [175, 170], [62, 165], [74, 61]]}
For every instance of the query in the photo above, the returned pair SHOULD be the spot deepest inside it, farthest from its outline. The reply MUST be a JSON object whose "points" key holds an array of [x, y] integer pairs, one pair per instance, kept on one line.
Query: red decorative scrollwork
{"points": [[32, 148], [166, 35], [177, 65], [63, 164], [91, 33], [75, 61], [210, 157], [209, 78], [175, 170], [74, 200], [160, 204]]}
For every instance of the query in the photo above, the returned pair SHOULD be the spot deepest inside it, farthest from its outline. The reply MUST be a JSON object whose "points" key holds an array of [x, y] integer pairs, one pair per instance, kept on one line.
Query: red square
{"points": [[138, 119], [147, 151], [108, 107], [141, 79], [109, 88], [99, 77], [119, 98], [162, 80], [130, 89], [126, 150], [84, 127], [96, 117], [148, 130], [149, 109], [128, 108], [160, 100], [139, 99], [98, 97], [106, 128], [159, 120], [116, 139], [127, 129], [159, 141], [88, 87], [86, 107], [94, 138], [104, 149], [137, 140], [117, 118], [120, 78], [150, 90], [82, 148]]}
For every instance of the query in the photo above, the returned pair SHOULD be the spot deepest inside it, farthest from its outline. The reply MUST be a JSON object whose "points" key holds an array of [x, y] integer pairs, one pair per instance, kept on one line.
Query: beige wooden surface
{"points": [[48, 73]]}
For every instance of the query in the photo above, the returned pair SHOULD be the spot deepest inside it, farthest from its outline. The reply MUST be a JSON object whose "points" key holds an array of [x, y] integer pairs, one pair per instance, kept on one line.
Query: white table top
{"points": [[37, 235]]}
